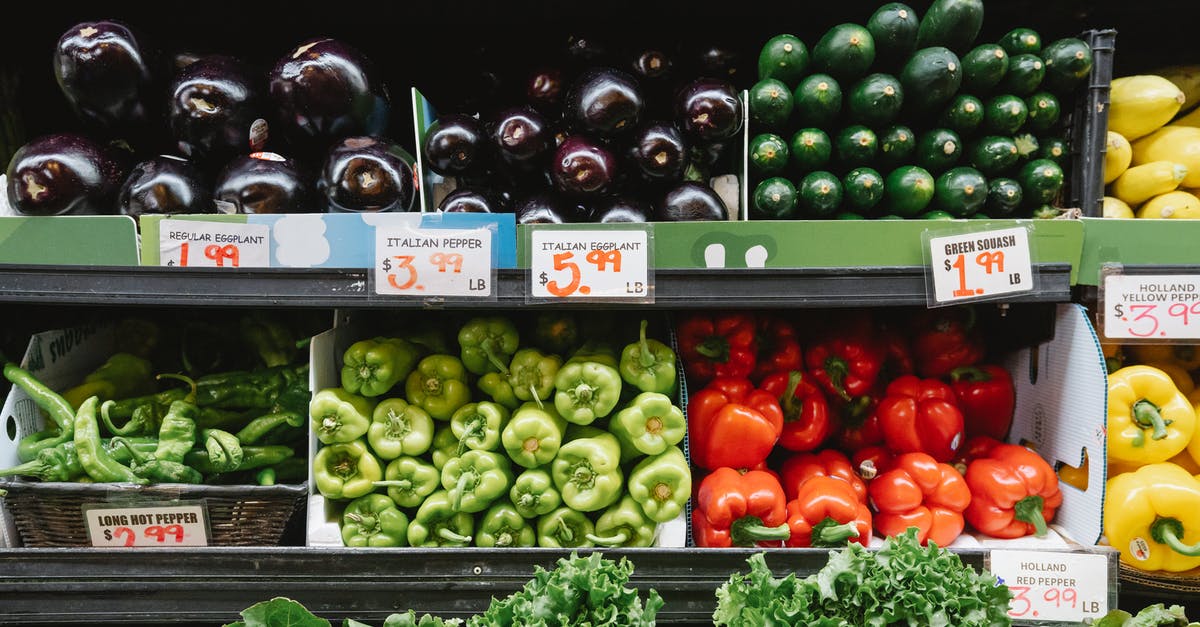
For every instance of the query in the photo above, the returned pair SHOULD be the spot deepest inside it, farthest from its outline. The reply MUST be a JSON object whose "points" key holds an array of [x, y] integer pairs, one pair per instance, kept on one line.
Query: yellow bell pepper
{"points": [[1075, 476], [1152, 516], [1183, 460], [1181, 377], [1186, 355], [1149, 420]]}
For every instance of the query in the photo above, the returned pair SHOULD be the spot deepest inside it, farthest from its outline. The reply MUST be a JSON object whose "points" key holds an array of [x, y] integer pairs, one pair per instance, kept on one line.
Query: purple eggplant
{"points": [[454, 145], [544, 89], [651, 65], [472, 200], [709, 109], [264, 183], [690, 201], [106, 76], [622, 209], [214, 103], [542, 208], [367, 174], [659, 151], [720, 61], [521, 136], [583, 166], [164, 185], [605, 101], [63, 174], [325, 90]]}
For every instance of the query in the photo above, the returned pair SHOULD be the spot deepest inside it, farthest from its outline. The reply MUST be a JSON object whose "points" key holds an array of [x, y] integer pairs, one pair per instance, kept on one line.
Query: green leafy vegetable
{"points": [[278, 612], [410, 619], [1156, 615]]}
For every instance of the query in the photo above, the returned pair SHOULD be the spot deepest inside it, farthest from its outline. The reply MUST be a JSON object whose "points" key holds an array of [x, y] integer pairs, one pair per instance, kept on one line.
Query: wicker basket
{"points": [[51, 514]]}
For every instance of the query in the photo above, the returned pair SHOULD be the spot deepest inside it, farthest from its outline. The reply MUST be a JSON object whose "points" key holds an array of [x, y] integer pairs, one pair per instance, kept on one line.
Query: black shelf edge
{"points": [[674, 288]]}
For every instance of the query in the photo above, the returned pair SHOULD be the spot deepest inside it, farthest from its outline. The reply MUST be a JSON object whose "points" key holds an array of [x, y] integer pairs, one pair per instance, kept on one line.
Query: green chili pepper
{"points": [[373, 520], [346, 471], [337, 416], [439, 386], [662, 484], [565, 528], [586, 391], [488, 343], [259, 389], [122, 376], [533, 435], [587, 472], [477, 426], [438, 524], [624, 524], [291, 470], [256, 430], [271, 340], [476, 479], [252, 457], [160, 470], [650, 423], [177, 433], [145, 420], [445, 447], [502, 526], [265, 476], [96, 461], [533, 493], [224, 450], [56, 407], [648, 365], [499, 389], [372, 367], [555, 332], [127, 409], [398, 428], [61, 463], [409, 480]]}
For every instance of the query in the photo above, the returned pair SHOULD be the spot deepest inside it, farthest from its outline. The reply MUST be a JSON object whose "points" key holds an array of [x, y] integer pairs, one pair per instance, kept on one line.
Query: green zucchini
{"points": [[894, 27], [1004, 114], [984, 67], [783, 57], [1004, 197], [1056, 150], [768, 153], [896, 146], [908, 190], [856, 145], [930, 78], [993, 155], [817, 100], [1021, 41], [845, 52], [936, 214], [961, 191], [810, 150], [820, 194], [1025, 73], [1041, 180], [770, 104], [953, 24], [875, 100], [938, 150], [1068, 63], [862, 189], [964, 115], [776, 199], [1044, 111]]}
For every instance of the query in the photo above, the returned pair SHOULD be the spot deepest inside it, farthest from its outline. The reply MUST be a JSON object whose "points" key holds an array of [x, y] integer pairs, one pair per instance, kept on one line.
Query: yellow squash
{"points": [[1143, 182], [1175, 205], [1149, 420], [1191, 119], [1116, 208], [1187, 79], [1118, 154], [1152, 516], [1140, 105], [1178, 144]]}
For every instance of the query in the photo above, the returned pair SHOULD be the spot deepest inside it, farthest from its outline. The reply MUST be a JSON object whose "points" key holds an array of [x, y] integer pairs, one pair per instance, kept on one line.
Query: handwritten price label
{"points": [[166, 525], [411, 261], [188, 244], [1053, 586], [979, 265], [583, 264], [1151, 306]]}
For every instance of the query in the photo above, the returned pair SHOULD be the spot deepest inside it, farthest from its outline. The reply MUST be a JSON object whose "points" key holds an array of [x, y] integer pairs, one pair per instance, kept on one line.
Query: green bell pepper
{"points": [[624, 524], [501, 526], [477, 426], [409, 480], [648, 365], [337, 416], [587, 472], [533, 435], [445, 447], [496, 386], [555, 332], [346, 471], [438, 524], [565, 528], [533, 493], [372, 367], [487, 343], [476, 479], [531, 374], [122, 376], [650, 423], [662, 484], [398, 428], [586, 391], [439, 386], [93, 457], [374, 520]]}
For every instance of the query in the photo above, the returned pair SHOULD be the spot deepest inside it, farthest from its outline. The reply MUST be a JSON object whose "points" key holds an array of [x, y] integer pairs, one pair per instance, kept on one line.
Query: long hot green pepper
{"points": [[55, 406], [96, 461]]}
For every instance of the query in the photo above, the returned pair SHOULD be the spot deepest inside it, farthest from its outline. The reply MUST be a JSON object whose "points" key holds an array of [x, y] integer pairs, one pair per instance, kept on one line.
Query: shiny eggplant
{"points": [[214, 103], [622, 208], [690, 201], [164, 185], [264, 183], [520, 136], [473, 200], [583, 166], [544, 89], [367, 175], [652, 64], [659, 151], [709, 109], [454, 145], [605, 101], [106, 75], [543, 208], [63, 174]]}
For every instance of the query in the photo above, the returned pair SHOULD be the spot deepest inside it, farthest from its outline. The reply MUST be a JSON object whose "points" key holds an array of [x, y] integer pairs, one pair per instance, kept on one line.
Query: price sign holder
{"points": [[147, 524], [964, 264], [434, 264], [1149, 305], [574, 263], [199, 244], [1053, 586]]}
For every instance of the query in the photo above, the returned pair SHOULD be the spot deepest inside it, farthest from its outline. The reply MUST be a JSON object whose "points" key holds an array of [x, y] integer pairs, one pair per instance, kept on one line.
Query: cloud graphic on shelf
{"points": [[300, 241]]}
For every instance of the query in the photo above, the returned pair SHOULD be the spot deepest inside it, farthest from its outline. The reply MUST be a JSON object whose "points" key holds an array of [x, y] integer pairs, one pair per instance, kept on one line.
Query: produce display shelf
{"points": [[320, 287], [211, 585]]}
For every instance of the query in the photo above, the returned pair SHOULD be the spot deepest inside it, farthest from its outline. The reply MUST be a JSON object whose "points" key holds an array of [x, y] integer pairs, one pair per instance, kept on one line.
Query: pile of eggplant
{"points": [[190, 133]]}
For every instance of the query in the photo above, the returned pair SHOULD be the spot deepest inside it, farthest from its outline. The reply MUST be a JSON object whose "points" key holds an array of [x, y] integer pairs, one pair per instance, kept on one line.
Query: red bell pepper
{"points": [[897, 355], [870, 461], [1014, 492], [721, 345], [778, 347], [921, 415], [973, 449], [944, 339], [827, 513], [735, 509], [800, 468], [859, 425], [986, 397], [731, 423], [846, 364], [806, 421], [920, 492]]}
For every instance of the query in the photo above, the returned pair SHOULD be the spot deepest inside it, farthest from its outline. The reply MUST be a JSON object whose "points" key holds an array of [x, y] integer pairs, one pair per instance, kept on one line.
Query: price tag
{"points": [[411, 261], [168, 524], [980, 265], [1151, 306], [185, 244], [1053, 586], [590, 264]]}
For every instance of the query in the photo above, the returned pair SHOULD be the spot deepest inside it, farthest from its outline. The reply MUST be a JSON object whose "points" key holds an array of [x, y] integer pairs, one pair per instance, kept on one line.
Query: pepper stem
{"points": [[1147, 414], [527, 501], [1169, 531], [191, 397], [748, 530], [538, 400], [404, 484], [475, 429], [129, 428], [1029, 509], [714, 348], [133, 453], [491, 355], [791, 412], [452, 536], [837, 369], [616, 540], [565, 533], [969, 374], [459, 489], [504, 539], [829, 533], [647, 357], [32, 468]]}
